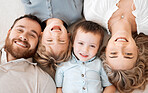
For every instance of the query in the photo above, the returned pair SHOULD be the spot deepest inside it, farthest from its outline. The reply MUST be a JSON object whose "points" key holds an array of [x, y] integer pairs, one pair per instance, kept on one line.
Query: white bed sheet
{"points": [[12, 9]]}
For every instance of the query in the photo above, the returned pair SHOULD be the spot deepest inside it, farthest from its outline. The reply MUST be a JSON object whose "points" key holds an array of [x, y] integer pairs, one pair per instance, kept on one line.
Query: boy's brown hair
{"points": [[89, 27]]}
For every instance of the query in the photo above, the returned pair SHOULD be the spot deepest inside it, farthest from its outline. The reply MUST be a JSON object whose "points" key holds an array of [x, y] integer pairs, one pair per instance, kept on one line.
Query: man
{"points": [[17, 72]]}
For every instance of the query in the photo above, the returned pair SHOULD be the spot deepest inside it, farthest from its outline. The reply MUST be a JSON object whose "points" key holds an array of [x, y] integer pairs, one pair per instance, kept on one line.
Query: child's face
{"points": [[55, 36], [86, 45]]}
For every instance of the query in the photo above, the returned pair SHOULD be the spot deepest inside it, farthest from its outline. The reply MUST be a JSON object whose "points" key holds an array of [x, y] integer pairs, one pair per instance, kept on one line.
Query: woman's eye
{"points": [[128, 53]]}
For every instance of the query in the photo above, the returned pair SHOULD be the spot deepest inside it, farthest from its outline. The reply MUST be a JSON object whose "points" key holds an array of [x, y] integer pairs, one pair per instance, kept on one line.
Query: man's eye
{"points": [[32, 35], [19, 30]]}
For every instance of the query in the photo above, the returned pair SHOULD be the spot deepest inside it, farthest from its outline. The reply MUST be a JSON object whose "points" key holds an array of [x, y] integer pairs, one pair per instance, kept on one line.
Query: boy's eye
{"points": [[93, 46], [80, 43]]}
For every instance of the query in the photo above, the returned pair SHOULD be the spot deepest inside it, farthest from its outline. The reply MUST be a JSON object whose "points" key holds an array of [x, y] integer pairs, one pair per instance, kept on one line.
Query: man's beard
{"points": [[17, 52]]}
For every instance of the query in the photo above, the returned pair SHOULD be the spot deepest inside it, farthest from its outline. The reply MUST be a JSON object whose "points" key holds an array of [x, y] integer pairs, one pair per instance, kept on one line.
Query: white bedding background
{"points": [[9, 11]]}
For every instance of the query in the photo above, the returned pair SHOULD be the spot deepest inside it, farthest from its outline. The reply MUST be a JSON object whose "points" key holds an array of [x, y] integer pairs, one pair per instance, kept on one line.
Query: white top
{"points": [[23, 76], [100, 12]]}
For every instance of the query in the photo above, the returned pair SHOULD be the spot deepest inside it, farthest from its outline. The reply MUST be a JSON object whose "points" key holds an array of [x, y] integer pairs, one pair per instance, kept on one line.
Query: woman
{"points": [[123, 19]]}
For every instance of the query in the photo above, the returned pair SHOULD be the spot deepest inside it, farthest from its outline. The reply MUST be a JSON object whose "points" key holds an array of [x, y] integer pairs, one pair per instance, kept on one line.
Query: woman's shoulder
{"points": [[99, 11], [141, 14]]}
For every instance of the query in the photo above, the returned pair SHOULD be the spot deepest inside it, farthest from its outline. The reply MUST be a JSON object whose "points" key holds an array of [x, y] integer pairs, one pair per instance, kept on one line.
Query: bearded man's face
{"points": [[22, 40]]}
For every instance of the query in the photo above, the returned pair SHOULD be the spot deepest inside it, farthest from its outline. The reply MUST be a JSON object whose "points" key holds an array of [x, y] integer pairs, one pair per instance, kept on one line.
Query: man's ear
{"points": [[9, 31], [41, 33]]}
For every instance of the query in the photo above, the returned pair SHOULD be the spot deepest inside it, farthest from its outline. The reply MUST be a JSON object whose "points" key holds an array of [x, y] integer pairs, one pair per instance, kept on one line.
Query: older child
{"points": [[84, 71], [57, 15]]}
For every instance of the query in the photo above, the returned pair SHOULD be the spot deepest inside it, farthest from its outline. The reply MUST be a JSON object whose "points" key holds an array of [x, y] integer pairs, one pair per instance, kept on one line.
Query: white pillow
{"points": [[9, 11]]}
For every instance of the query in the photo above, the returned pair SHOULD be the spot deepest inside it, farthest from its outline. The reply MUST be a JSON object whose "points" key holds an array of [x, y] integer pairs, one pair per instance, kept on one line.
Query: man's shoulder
{"points": [[45, 80], [42, 73], [44, 76]]}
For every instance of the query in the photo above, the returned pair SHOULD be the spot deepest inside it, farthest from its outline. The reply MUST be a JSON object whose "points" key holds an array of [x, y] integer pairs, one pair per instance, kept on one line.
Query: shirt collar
{"points": [[4, 59], [78, 61]]}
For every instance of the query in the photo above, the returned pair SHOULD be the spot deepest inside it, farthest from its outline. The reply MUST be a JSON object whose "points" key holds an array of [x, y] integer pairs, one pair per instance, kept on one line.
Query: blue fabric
{"points": [[76, 76], [69, 11]]}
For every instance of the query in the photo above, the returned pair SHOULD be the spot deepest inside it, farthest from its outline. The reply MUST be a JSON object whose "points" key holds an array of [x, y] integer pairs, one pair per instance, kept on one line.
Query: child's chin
{"points": [[84, 59]]}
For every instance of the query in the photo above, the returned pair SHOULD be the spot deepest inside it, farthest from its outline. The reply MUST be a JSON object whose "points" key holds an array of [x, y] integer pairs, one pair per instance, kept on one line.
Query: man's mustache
{"points": [[23, 42]]}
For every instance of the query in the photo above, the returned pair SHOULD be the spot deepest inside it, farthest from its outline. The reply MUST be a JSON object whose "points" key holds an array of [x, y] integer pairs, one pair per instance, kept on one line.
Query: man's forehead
{"points": [[27, 22]]}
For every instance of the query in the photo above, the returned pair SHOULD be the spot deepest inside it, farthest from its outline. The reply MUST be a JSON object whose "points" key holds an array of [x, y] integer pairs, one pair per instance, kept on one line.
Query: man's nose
{"points": [[23, 37]]}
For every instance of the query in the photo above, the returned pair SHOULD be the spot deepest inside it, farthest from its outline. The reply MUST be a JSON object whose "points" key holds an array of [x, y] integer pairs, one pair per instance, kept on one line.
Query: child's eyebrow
{"points": [[113, 56]]}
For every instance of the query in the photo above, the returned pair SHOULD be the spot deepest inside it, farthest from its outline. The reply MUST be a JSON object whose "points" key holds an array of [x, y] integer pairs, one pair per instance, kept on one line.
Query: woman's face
{"points": [[121, 51], [55, 36]]}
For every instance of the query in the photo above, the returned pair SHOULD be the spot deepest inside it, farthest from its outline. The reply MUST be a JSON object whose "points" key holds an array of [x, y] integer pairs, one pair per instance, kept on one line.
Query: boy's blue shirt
{"points": [[76, 76]]}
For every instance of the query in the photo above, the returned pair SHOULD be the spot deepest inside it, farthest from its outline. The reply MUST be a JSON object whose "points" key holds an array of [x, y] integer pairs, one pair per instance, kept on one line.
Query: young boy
{"points": [[84, 72]]}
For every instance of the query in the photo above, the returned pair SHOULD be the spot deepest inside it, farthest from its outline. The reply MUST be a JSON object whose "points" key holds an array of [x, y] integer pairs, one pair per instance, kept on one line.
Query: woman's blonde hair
{"points": [[136, 78], [48, 60]]}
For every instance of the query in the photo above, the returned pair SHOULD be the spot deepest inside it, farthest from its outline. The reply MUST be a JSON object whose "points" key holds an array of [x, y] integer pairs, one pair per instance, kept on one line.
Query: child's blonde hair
{"points": [[48, 60]]}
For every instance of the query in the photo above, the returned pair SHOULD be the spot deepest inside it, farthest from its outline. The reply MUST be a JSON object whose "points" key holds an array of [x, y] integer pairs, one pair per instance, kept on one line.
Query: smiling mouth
{"points": [[121, 39], [21, 44], [83, 55], [56, 28]]}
